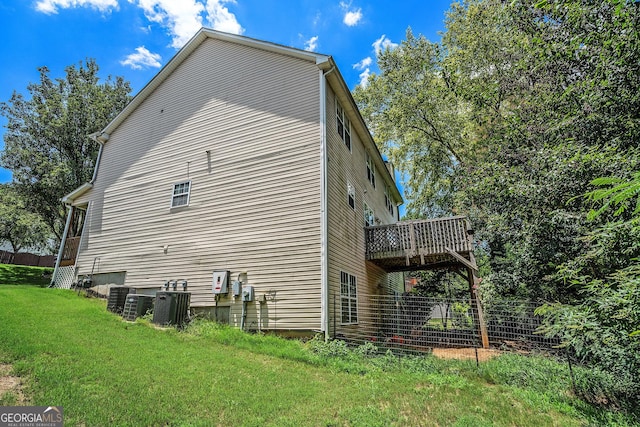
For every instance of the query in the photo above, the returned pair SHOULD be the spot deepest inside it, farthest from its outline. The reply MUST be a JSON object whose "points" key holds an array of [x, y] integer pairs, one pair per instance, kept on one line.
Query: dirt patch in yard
{"points": [[484, 354], [11, 385]]}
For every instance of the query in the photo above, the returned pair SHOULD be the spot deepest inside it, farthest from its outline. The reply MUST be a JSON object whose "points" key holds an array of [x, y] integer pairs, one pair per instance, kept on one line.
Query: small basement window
{"points": [[181, 193]]}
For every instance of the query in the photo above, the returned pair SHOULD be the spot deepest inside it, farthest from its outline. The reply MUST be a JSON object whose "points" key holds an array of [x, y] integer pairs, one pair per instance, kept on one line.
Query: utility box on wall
{"points": [[220, 282], [236, 288], [247, 293]]}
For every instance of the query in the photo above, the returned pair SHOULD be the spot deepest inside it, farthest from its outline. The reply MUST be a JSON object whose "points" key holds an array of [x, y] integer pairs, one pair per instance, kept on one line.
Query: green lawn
{"points": [[23, 275], [70, 351]]}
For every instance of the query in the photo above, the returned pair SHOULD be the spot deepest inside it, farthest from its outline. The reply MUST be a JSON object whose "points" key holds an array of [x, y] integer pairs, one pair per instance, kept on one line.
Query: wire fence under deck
{"points": [[409, 323]]}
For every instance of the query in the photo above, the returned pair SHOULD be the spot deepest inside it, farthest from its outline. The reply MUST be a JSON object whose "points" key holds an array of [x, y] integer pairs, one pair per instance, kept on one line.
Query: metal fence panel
{"points": [[411, 323]]}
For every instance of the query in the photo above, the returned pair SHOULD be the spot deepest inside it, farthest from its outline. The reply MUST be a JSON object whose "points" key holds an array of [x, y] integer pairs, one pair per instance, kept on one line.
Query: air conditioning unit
{"points": [[117, 298], [171, 308], [137, 305]]}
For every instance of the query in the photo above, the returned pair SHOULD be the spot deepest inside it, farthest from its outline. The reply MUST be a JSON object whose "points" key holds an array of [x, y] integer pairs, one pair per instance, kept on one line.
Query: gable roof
{"points": [[324, 62], [202, 35]]}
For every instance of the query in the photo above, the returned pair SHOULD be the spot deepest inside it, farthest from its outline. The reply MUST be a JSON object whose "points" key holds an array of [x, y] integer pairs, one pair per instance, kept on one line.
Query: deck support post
{"points": [[474, 281]]}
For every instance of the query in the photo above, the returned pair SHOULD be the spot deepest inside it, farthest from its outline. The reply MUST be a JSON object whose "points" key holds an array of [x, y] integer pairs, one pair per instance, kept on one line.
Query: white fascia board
{"points": [[69, 198]]}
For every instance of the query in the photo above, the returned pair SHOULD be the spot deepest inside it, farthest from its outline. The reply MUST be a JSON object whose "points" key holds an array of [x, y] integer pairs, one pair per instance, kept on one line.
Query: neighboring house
{"points": [[243, 156]]}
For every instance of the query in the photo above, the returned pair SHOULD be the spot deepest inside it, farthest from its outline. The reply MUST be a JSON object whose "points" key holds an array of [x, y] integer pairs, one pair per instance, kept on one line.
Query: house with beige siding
{"points": [[245, 157]]}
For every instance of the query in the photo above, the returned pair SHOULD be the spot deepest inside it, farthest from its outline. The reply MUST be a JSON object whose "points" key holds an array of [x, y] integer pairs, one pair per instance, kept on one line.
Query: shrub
{"points": [[600, 333], [332, 348]]}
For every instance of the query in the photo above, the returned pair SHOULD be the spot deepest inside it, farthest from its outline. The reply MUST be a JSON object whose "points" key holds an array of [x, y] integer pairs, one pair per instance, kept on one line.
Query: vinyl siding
{"points": [[346, 225], [243, 125]]}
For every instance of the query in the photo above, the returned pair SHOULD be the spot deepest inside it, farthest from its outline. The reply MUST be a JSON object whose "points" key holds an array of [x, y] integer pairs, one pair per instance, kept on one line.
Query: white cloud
{"points": [[382, 44], [352, 18], [51, 6], [182, 18], [142, 59], [312, 44], [364, 77], [221, 19], [364, 64]]}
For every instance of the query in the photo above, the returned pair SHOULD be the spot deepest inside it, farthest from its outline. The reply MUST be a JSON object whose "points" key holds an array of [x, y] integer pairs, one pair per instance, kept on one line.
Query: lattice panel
{"points": [[65, 276]]}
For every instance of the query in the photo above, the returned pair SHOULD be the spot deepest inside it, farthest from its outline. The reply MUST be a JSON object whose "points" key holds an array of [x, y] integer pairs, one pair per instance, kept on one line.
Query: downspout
{"points": [[324, 255], [62, 243], [100, 138]]}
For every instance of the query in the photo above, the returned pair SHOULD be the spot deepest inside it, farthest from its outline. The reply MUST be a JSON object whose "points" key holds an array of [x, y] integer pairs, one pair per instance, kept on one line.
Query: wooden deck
{"points": [[420, 244], [70, 251]]}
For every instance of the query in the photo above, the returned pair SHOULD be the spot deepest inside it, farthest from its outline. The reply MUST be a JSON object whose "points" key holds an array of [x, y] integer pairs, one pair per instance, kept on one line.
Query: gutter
{"points": [[324, 202], [100, 138]]}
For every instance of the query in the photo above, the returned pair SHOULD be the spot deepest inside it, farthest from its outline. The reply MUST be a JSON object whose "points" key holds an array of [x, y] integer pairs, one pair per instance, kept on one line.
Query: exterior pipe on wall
{"points": [[324, 284], [62, 242], [100, 138], [324, 261]]}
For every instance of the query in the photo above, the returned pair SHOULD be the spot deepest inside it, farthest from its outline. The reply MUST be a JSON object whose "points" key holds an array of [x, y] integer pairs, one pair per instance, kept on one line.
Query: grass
{"points": [[72, 352], [23, 275]]}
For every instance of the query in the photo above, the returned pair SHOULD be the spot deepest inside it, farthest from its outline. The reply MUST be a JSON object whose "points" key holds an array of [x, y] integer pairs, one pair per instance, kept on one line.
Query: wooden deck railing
{"points": [[417, 243], [70, 251]]}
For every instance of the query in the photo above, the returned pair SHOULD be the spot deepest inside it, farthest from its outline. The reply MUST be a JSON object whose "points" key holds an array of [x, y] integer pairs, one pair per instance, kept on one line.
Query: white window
{"points": [[371, 171], [387, 199], [369, 219], [348, 298], [344, 125], [351, 196], [180, 195]]}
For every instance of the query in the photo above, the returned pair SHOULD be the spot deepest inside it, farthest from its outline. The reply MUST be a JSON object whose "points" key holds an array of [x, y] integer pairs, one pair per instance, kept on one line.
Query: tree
{"points": [[545, 98], [412, 112], [47, 146], [18, 226], [524, 106], [603, 328]]}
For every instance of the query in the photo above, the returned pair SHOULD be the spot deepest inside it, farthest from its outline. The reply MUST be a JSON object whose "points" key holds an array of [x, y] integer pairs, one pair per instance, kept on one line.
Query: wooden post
{"points": [[474, 281]]}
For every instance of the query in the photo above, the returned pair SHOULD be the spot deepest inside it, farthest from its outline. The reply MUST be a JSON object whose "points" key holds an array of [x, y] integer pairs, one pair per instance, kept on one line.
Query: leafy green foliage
{"points": [[47, 144], [415, 117], [20, 227], [525, 107], [619, 195], [603, 329], [540, 106], [601, 332]]}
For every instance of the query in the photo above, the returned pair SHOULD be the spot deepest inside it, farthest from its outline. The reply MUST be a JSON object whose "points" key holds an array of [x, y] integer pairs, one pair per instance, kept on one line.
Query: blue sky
{"points": [[134, 38]]}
